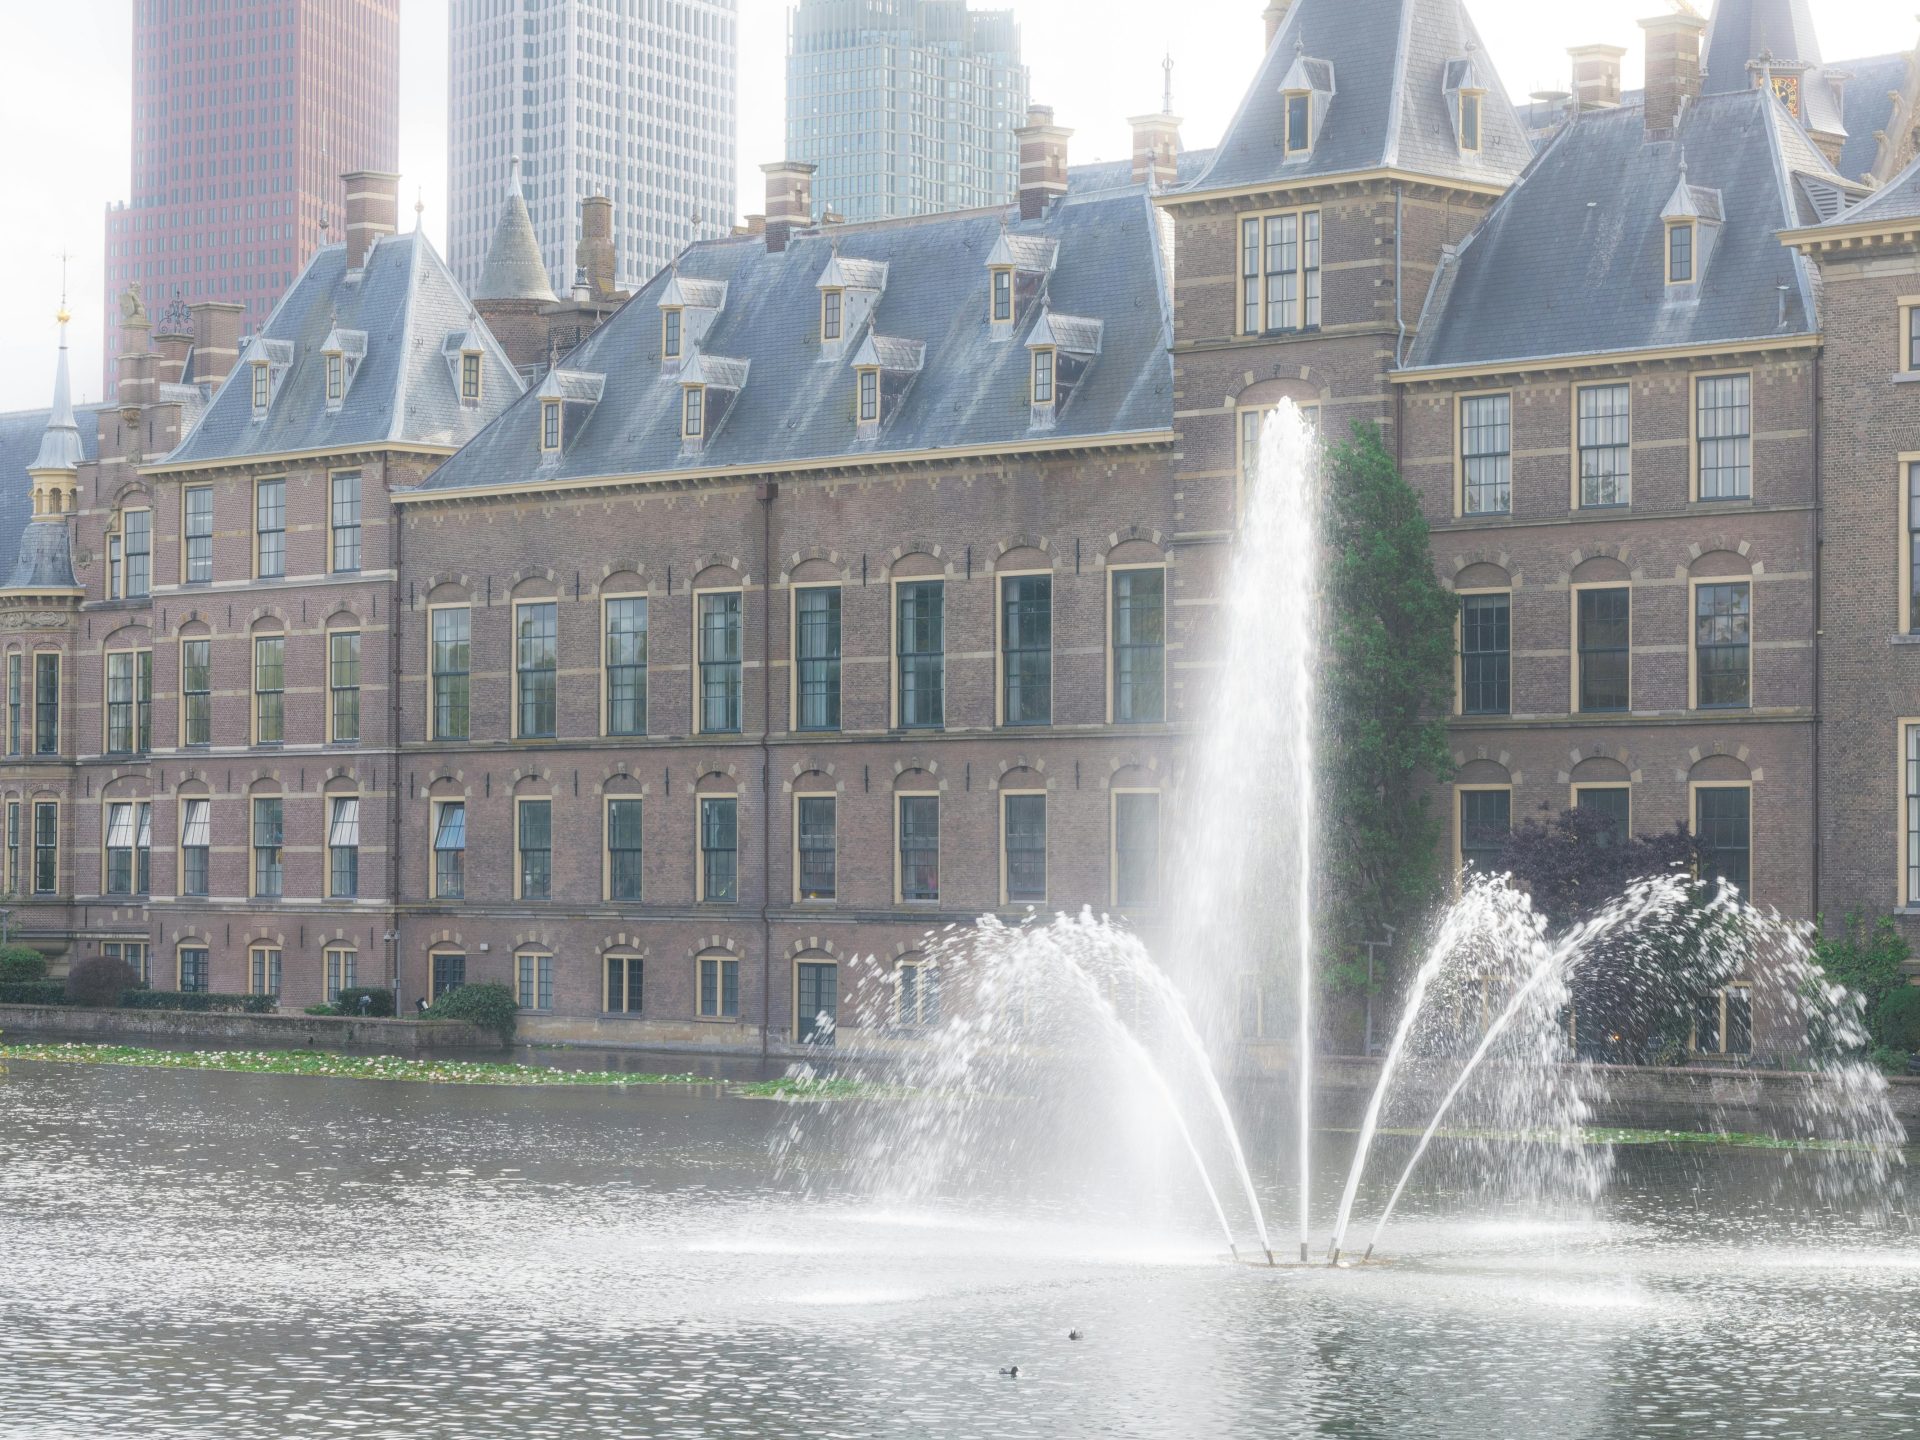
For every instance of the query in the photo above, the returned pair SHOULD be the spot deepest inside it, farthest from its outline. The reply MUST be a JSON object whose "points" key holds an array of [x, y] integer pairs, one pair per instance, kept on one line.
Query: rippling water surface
{"points": [[255, 1256]]}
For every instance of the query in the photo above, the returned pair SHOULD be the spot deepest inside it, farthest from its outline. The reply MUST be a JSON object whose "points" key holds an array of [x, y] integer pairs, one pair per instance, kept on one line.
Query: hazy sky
{"points": [[64, 101]]}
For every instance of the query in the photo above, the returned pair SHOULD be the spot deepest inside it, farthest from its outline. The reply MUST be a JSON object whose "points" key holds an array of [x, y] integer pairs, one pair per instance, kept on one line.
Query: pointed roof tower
{"points": [[514, 269], [1741, 31], [44, 561], [60, 447]]}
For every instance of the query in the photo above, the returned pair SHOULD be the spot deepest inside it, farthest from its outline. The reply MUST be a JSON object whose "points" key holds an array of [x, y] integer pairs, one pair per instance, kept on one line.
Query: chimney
{"points": [[216, 339], [596, 255], [1596, 75], [789, 200], [1156, 150], [1043, 161], [1276, 16], [373, 210], [135, 370], [1673, 68]]}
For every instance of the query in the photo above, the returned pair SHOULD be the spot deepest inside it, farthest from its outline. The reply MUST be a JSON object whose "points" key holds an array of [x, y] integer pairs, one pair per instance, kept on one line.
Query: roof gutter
{"points": [[1578, 360]]}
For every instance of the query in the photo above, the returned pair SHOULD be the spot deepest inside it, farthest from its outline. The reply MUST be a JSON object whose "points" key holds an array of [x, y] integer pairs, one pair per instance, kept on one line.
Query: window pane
{"points": [[269, 687], [1723, 641], [451, 658], [1604, 656], [919, 847], [270, 528], [1608, 803], [1486, 654], [921, 638], [627, 665], [720, 663], [536, 849], [269, 869], [137, 527], [1136, 844], [343, 678], [1026, 848], [199, 534], [623, 849], [1723, 826], [449, 973], [1725, 427], [538, 661], [1486, 822], [1139, 646], [196, 688], [46, 704], [719, 850], [817, 646], [450, 852], [120, 702], [1027, 641], [1486, 454], [346, 522], [817, 818], [1606, 445]]}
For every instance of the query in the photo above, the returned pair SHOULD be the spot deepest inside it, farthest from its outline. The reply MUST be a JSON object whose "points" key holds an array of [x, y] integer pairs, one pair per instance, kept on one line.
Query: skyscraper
{"points": [[630, 99], [245, 115], [907, 106]]}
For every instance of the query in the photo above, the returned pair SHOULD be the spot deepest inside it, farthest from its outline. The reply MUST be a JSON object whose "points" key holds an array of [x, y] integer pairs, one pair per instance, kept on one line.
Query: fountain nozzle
{"points": [[1333, 1257], [1368, 1256], [1271, 1262], [1303, 1252], [1234, 1250]]}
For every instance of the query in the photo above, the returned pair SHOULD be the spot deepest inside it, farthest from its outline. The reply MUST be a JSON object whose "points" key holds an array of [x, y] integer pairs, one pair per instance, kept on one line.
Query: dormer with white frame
{"points": [[688, 308], [265, 365], [1017, 268], [1466, 95], [567, 399], [1692, 220], [709, 384], [850, 290], [1307, 90], [1061, 349], [884, 371], [465, 353], [340, 354]]}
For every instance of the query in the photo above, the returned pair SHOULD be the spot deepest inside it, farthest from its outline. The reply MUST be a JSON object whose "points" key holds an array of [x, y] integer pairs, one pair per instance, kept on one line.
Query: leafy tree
{"points": [[99, 980], [1387, 689], [490, 1007], [1572, 863]]}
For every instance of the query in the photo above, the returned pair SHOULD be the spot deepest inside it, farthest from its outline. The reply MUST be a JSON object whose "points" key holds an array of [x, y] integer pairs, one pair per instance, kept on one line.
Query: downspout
{"points": [[1399, 312], [397, 528], [1819, 547], [767, 492]]}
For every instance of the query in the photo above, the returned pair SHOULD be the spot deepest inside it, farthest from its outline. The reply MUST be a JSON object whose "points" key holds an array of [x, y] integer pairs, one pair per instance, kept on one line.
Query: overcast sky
{"points": [[64, 102]]}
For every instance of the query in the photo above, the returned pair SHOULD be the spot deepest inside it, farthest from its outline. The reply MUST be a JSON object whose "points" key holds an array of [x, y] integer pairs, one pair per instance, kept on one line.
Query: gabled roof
{"points": [[888, 353], [406, 302], [514, 269], [1898, 199], [1569, 262], [972, 390], [1390, 63], [1118, 174], [692, 293], [845, 273]]}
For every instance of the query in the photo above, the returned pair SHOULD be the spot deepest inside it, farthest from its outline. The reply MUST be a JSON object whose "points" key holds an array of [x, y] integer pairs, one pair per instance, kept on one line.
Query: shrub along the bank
{"points": [[1896, 1020], [100, 980], [379, 1002], [491, 1007], [32, 992], [22, 962], [197, 1000]]}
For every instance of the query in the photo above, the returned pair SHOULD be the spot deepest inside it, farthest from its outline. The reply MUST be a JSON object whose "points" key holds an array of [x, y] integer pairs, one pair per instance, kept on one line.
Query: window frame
{"points": [[261, 484], [720, 959], [795, 688], [1460, 456], [799, 895], [434, 731], [1576, 669], [919, 902], [335, 690], [340, 967], [1001, 653], [1113, 846], [136, 731], [335, 529], [254, 847], [256, 694], [1460, 818], [186, 695], [1906, 824], [124, 589], [645, 667], [1001, 281], [897, 669], [673, 332], [1907, 338], [1694, 583], [444, 951], [1577, 498], [739, 662], [36, 805], [925, 1012], [436, 808], [472, 378], [1694, 787], [631, 963], [329, 803], [1906, 477], [1460, 652], [202, 948], [700, 803], [693, 412], [264, 976], [1576, 788], [132, 805], [520, 731], [521, 803], [1007, 900], [336, 377], [867, 395], [188, 537], [1474, 100], [184, 813], [1043, 380], [1253, 288], [541, 962], [1112, 643], [1675, 229], [41, 707], [833, 315], [261, 392], [1293, 147], [553, 433], [1695, 439], [607, 802]]}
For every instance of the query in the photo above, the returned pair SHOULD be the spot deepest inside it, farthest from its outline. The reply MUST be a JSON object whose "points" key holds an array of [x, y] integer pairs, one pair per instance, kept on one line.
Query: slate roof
{"points": [[1741, 29], [1190, 165], [1898, 199], [1390, 108], [972, 389], [513, 268], [405, 390], [21, 434], [1570, 261], [1869, 107]]}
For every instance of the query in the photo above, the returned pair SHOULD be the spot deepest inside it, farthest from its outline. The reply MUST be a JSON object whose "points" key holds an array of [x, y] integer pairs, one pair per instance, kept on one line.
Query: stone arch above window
{"points": [[918, 564], [814, 782], [1130, 774], [1136, 551], [717, 782], [193, 628], [341, 785], [1484, 575], [1600, 569], [533, 787], [450, 592], [128, 637], [1024, 557], [624, 785], [267, 786], [1719, 769], [536, 586], [344, 619], [1263, 393], [1483, 772], [1601, 770], [270, 623], [1021, 777], [815, 572], [916, 779], [448, 787], [1715, 564]]}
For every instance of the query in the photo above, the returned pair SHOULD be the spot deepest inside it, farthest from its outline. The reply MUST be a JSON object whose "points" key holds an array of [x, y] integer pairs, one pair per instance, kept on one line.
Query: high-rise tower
{"points": [[245, 115]]}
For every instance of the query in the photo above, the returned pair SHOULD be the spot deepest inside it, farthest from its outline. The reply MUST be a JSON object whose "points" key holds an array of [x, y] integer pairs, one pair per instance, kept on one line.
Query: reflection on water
{"points": [[257, 1256]]}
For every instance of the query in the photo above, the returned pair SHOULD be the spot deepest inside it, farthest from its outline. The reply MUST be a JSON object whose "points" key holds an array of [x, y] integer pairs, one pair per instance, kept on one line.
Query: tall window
{"points": [[13, 847], [343, 847], [1913, 545], [143, 847], [627, 665], [922, 653], [121, 705], [346, 520], [816, 820], [534, 972], [1043, 359], [1723, 425], [336, 378], [720, 663], [1026, 639], [450, 851], [869, 396], [1723, 1022], [1912, 314], [623, 850], [262, 388], [137, 532], [626, 975], [719, 849], [131, 953], [670, 334], [537, 668], [449, 972], [341, 962], [1299, 122], [1910, 748], [1486, 821], [1723, 825], [263, 970], [693, 423], [1486, 654], [343, 686], [1486, 454], [269, 689], [1469, 120], [46, 847], [199, 534], [1026, 848], [1139, 646], [196, 692], [46, 703], [1679, 254], [535, 845], [122, 832], [452, 655], [270, 529], [919, 847], [1606, 445], [832, 303], [1136, 848], [1610, 803], [1280, 272], [719, 987], [269, 855], [1603, 618], [550, 425], [14, 702], [816, 639], [1002, 295], [193, 969], [196, 846], [1723, 645], [470, 377], [916, 1000]]}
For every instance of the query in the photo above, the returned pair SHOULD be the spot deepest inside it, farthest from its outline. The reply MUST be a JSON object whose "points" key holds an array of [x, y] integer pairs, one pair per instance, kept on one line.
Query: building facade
{"points": [[908, 107], [244, 118], [636, 103]]}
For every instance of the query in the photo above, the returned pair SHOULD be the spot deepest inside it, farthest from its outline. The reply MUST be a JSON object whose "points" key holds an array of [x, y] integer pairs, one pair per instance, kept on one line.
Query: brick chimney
{"points": [[789, 200], [1596, 75], [596, 255], [1043, 161], [1276, 16], [216, 339], [1673, 68], [1156, 150], [373, 210]]}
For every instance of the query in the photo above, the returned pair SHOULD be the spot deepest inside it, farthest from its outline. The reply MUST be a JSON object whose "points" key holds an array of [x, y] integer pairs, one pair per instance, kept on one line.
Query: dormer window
{"points": [[832, 308], [1470, 120], [1043, 362], [336, 379], [341, 353], [1306, 91], [469, 377], [870, 395], [693, 413], [262, 387], [1299, 122], [1003, 295], [1693, 215], [670, 321], [1680, 238], [550, 425], [1064, 348]]}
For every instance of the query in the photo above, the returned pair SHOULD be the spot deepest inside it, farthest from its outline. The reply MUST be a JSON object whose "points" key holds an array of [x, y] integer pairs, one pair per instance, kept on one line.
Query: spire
{"points": [[514, 269], [1741, 31], [1166, 93], [60, 447]]}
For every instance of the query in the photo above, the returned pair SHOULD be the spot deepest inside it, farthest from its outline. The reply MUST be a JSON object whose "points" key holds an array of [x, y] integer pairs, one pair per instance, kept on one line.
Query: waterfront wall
{"points": [[312, 1032]]}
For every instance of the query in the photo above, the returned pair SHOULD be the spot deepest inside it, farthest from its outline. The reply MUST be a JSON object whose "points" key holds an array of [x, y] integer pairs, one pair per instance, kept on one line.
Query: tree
{"points": [[1573, 863], [1387, 691]]}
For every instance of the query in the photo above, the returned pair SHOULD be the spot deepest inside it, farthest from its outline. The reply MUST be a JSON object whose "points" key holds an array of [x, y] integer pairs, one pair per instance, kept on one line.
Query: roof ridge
{"points": [[404, 370]]}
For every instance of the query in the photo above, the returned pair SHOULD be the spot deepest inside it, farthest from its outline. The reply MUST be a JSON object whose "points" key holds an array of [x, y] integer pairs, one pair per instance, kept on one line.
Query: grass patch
{"points": [[793, 1088], [338, 1067]]}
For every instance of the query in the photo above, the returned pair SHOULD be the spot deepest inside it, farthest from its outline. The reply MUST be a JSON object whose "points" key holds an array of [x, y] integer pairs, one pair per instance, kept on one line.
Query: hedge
{"points": [[32, 992], [197, 1000], [22, 962], [491, 1007], [380, 1002]]}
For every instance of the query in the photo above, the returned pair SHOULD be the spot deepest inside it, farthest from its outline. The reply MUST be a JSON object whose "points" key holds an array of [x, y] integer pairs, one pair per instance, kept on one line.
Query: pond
{"points": [[187, 1254]]}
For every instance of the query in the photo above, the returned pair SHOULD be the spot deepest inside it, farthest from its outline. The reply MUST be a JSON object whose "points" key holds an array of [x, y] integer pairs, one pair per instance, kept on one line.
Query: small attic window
{"points": [[262, 387], [1043, 364], [832, 312], [870, 395], [670, 321], [1003, 294], [693, 413], [1680, 250], [1299, 139], [549, 425], [469, 377], [1470, 120], [336, 378]]}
